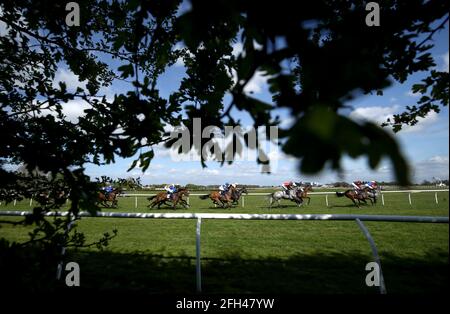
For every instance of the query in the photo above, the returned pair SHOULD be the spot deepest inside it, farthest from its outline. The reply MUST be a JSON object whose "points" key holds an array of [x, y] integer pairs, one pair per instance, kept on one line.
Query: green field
{"points": [[158, 256]]}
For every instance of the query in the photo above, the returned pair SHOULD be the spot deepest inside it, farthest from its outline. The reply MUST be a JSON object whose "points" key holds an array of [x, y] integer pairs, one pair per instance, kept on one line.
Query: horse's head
{"points": [[244, 190], [183, 191]]}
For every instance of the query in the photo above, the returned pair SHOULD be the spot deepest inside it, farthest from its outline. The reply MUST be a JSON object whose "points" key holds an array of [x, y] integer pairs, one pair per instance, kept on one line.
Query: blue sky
{"points": [[426, 145]]}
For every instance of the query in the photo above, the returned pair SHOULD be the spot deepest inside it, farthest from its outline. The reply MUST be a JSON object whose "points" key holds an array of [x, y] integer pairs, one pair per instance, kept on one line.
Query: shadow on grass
{"points": [[353, 206], [146, 273], [325, 273]]}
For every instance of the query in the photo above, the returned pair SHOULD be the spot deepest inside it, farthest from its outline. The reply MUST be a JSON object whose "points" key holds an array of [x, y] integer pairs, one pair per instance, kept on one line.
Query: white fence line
{"points": [[342, 217], [136, 195], [312, 193]]}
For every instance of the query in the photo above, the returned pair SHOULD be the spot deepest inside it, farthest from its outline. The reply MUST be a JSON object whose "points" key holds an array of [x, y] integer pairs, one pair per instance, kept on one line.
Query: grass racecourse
{"points": [[238, 256]]}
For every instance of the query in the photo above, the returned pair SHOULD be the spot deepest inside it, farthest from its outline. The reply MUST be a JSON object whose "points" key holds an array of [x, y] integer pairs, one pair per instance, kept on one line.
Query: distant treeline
{"points": [[333, 184]]}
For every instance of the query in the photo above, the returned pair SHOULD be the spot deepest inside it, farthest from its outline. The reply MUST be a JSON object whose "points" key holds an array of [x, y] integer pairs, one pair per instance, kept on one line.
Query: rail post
{"points": [[326, 199], [243, 201], [409, 198], [369, 238], [63, 249], [382, 198], [436, 198], [135, 202]]}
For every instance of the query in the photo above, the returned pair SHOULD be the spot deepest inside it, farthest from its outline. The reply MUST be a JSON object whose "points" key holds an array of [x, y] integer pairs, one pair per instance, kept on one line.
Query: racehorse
{"points": [[290, 195], [109, 200], [303, 193], [363, 195], [237, 194], [177, 197], [226, 198]]}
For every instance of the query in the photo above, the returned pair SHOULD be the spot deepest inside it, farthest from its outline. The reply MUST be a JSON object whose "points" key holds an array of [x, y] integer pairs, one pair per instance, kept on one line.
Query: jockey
{"points": [[224, 188], [371, 185], [288, 186], [107, 189], [358, 186], [170, 188]]}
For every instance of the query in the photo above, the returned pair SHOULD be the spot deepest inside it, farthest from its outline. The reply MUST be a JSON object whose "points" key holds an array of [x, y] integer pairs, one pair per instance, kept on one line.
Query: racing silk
{"points": [[286, 185], [224, 188], [170, 188], [372, 185], [109, 189], [357, 185]]}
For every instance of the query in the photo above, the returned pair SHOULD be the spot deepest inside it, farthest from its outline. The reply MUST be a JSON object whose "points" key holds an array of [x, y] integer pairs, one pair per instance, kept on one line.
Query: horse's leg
{"points": [[155, 202], [309, 199], [175, 203]]}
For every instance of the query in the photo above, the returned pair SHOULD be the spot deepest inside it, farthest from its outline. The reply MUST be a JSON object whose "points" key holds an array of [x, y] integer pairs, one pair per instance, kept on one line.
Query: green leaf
{"points": [[127, 70]]}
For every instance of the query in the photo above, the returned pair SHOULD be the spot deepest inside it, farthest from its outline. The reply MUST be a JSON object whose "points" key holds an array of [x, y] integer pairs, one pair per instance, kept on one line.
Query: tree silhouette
{"points": [[331, 56], [316, 56]]}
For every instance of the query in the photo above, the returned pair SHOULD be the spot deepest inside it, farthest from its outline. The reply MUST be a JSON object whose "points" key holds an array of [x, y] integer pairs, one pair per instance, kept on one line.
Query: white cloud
{"points": [[71, 80], [74, 109], [378, 114], [435, 166], [257, 46], [237, 49], [429, 120], [3, 28], [180, 61], [256, 83]]}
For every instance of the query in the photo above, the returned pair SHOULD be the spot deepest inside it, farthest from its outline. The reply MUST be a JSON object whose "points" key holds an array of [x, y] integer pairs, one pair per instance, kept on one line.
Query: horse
{"points": [[217, 197], [363, 195], [52, 197], [177, 197], [109, 200], [237, 194], [291, 195], [303, 193]]}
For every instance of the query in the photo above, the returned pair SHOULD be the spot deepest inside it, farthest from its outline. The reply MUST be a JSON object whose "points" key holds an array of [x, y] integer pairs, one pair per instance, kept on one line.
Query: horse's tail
{"points": [[204, 197], [269, 196], [340, 194], [151, 197]]}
